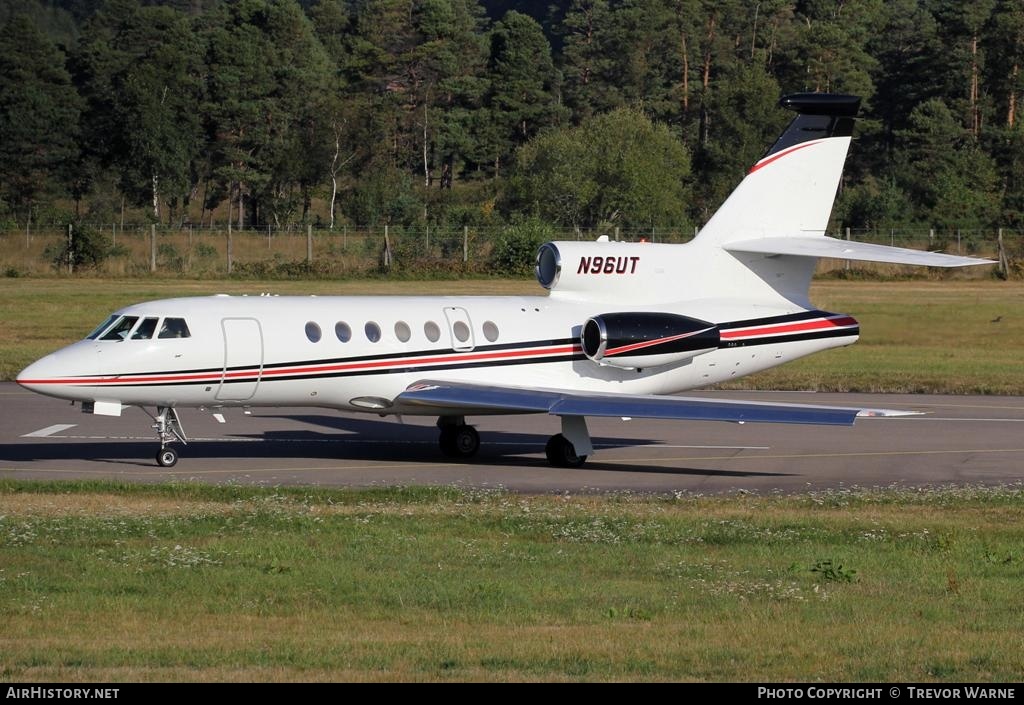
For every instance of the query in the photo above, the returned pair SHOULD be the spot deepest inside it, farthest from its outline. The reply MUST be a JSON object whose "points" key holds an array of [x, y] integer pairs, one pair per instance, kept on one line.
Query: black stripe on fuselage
{"points": [[426, 369], [772, 320], [792, 337], [359, 358], [350, 373]]}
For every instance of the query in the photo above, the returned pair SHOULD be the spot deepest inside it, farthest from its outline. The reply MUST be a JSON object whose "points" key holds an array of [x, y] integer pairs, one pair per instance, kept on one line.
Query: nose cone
{"points": [[41, 376], [61, 374]]}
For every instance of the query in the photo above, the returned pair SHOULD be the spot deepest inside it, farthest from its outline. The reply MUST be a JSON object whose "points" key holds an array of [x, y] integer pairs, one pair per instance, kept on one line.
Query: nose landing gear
{"points": [[168, 429]]}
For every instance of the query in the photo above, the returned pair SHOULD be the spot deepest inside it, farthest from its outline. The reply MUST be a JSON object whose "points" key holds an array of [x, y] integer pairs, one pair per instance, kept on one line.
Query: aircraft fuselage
{"points": [[357, 353]]}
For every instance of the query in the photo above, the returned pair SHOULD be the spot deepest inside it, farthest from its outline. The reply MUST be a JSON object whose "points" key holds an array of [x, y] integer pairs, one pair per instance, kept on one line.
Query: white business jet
{"points": [[624, 325]]}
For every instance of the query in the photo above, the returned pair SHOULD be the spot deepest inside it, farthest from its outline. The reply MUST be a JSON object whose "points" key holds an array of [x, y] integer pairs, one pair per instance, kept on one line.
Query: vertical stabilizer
{"points": [[791, 189]]}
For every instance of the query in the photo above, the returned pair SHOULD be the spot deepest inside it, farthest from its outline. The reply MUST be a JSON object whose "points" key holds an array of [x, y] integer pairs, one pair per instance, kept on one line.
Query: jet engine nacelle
{"points": [[646, 339]]}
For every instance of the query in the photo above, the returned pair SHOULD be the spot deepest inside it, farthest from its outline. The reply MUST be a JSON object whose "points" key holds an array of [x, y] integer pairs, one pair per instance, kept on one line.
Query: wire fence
{"points": [[145, 250]]}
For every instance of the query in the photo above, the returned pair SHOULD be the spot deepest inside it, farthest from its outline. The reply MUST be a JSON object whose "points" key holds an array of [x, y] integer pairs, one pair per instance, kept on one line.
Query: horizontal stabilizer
{"points": [[823, 246], [458, 398]]}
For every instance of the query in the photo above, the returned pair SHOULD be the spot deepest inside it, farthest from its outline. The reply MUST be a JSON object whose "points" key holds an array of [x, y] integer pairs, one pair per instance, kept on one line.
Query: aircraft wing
{"points": [[824, 246], [461, 399]]}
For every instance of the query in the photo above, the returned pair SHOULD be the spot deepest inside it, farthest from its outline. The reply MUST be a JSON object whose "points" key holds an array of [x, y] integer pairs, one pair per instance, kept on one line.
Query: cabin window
{"points": [[372, 332], [432, 331], [146, 329], [461, 331], [121, 328], [313, 332], [402, 331], [96, 333], [490, 331], [174, 328], [343, 331]]}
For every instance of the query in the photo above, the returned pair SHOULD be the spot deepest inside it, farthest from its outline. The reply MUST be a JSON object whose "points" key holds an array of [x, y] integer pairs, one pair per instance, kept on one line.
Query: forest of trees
{"points": [[579, 113]]}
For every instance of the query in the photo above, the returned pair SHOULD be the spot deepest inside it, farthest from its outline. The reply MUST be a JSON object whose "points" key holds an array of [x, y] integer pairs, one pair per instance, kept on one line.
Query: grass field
{"points": [[104, 583], [916, 336]]}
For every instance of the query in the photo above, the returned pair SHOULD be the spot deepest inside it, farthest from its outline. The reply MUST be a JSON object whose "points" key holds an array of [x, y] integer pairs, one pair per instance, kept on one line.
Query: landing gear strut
{"points": [[168, 429], [457, 440]]}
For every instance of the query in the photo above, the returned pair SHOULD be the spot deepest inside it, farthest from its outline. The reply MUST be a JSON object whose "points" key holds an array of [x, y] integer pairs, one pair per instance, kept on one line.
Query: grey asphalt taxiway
{"points": [[962, 440]]}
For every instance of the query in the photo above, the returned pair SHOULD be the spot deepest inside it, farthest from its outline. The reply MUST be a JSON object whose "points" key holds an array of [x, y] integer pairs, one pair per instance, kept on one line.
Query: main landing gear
{"points": [[562, 454], [571, 447], [168, 429], [568, 449], [457, 440]]}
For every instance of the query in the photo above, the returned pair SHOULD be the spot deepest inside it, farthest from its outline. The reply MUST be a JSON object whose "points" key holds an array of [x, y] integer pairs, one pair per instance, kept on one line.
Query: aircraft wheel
{"points": [[459, 441], [167, 457], [562, 454]]}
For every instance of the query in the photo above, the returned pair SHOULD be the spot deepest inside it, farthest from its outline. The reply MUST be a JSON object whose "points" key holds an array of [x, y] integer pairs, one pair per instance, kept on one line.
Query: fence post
{"points": [[616, 233], [309, 243], [465, 243], [958, 241], [847, 239], [152, 247], [387, 248], [71, 252], [229, 247]]}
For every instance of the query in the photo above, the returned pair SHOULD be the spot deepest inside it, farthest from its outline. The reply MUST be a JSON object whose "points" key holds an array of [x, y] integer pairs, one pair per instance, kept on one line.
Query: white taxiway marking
{"points": [[49, 430]]}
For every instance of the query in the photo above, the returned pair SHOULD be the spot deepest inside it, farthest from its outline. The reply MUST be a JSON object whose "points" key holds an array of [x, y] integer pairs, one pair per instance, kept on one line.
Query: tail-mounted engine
{"points": [[636, 340], [644, 272]]}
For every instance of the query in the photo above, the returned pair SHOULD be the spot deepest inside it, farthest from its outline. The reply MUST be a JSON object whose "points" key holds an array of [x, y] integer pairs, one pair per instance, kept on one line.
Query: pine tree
{"points": [[39, 112]]}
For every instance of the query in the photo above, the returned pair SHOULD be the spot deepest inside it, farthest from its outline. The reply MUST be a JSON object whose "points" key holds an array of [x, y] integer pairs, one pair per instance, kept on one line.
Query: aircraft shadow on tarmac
{"points": [[345, 438]]}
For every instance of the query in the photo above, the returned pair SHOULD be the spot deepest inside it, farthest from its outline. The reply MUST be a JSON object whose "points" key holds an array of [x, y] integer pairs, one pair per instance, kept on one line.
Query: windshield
{"points": [[102, 327], [121, 328], [145, 329]]}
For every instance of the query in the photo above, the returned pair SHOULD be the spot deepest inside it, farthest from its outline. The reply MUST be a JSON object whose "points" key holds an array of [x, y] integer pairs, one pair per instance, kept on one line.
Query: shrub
{"points": [[515, 250]]}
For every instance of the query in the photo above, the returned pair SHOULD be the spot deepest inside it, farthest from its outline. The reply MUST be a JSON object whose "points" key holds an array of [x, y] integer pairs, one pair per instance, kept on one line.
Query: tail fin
{"points": [[791, 189], [773, 225]]}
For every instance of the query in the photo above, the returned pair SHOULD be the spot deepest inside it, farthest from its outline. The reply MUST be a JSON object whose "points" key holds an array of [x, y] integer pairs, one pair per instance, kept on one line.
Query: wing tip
{"points": [[887, 413]]}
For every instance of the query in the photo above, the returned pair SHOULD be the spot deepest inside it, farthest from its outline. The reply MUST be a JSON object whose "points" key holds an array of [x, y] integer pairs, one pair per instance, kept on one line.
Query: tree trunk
{"points": [[975, 112], [156, 198], [426, 164], [1011, 112], [753, 35], [686, 74], [707, 53], [202, 206]]}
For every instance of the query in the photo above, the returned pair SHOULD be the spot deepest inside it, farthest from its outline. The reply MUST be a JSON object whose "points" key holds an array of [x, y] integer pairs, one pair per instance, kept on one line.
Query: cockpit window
{"points": [[174, 328], [146, 329], [121, 329], [102, 327]]}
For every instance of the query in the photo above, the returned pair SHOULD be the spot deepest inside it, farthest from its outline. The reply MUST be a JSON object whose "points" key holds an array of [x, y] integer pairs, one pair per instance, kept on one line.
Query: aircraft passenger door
{"points": [[460, 328], [243, 359]]}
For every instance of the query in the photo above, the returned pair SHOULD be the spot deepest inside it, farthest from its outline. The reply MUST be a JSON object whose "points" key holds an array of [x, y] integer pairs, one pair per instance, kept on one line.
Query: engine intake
{"points": [[645, 339]]}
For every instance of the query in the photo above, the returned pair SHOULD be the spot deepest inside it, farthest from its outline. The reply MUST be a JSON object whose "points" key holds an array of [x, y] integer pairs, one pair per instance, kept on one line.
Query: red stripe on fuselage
{"points": [[342, 367], [840, 322]]}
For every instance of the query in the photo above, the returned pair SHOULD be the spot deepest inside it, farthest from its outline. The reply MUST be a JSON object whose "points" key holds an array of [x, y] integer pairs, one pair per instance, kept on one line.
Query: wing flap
{"points": [[466, 399], [824, 246]]}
